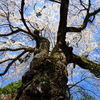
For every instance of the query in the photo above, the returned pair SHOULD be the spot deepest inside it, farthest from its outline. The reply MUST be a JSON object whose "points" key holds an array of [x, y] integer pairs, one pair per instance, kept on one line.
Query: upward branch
{"points": [[23, 19], [63, 21], [85, 22], [22, 15]]}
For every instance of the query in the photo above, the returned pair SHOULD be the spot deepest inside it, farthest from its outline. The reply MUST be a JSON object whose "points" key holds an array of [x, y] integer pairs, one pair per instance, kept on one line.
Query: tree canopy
{"points": [[27, 26]]}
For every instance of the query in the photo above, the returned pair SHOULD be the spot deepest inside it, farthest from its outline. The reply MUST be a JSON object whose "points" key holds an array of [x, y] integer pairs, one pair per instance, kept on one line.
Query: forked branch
{"points": [[86, 20], [9, 65], [13, 60], [63, 21]]}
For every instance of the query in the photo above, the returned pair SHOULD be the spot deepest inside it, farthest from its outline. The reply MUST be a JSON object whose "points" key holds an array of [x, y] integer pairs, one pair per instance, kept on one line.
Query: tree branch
{"points": [[22, 15], [82, 3], [86, 64], [17, 58], [88, 90], [19, 29], [24, 59], [95, 12], [9, 65], [85, 22], [23, 19], [6, 60], [16, 31], [10, 49], [78, 82], [11, 33], [63, 21], [55, 1]]}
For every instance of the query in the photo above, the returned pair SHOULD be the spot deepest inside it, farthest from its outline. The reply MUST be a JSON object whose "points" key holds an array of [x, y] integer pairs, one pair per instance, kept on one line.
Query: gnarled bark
{"points": [[86, 64], [47, 77]]}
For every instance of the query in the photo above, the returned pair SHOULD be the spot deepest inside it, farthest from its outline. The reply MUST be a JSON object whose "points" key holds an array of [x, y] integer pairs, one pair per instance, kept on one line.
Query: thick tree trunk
{"points": [[47, 77]]}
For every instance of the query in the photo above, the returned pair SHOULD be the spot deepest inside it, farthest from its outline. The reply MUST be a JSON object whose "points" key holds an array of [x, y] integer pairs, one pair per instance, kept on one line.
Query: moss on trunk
{"points": [[46, 81], [47, 77]]}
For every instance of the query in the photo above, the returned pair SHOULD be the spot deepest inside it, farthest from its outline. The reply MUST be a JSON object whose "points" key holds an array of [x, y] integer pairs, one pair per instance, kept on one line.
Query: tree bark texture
{"points": [[47, 77]]}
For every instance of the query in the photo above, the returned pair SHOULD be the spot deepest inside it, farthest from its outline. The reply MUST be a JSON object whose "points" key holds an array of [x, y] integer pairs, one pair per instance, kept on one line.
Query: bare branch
{"points": [[6, 60], [21, 60], [89, 91], [22, 15], [16, 31], [55, 1], [86, 64], [95, 12], [10, 26], [63, 21], [10, 49], [30, 50], [9, 65], [81, 2], [11, 33], [78, 82], [85, 22], [23, 20]]}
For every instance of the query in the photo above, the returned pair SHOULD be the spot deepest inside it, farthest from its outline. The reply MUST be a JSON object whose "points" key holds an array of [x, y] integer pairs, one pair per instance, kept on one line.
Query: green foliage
{"points": [[11, 88], [1, 90]]}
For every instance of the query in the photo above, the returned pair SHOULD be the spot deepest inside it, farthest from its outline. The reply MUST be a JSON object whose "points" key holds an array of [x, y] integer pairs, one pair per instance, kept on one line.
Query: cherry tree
{"points": [[44, 37]]}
